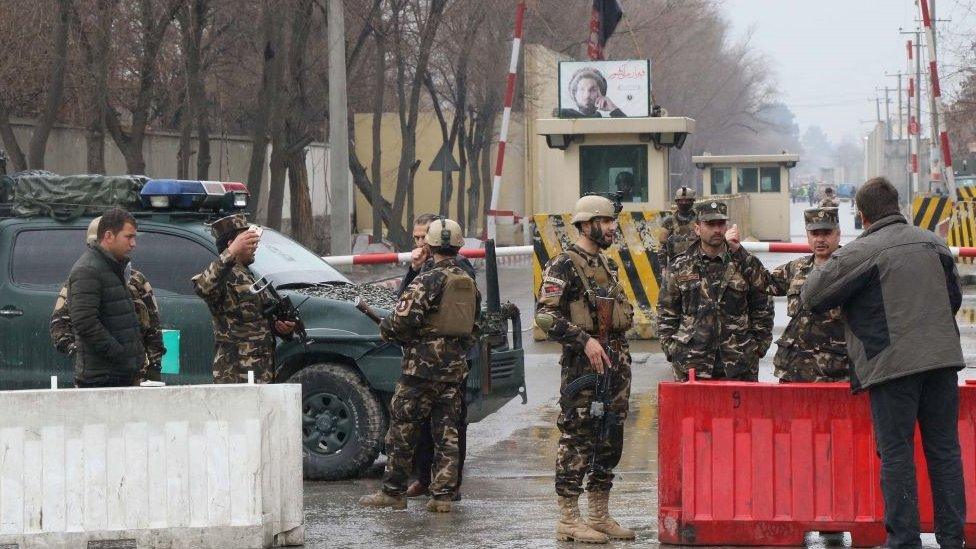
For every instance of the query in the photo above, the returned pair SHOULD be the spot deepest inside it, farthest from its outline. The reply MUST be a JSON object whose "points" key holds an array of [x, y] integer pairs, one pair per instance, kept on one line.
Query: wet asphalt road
{"points": [[508, 498]]}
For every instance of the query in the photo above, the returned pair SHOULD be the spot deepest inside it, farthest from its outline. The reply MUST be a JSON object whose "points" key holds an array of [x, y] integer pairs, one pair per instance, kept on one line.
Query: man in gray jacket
{"points": [[899, 290], [106, 327]]}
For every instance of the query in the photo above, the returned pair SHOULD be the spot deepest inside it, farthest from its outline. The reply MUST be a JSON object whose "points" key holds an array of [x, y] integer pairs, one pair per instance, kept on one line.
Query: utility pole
{"points": [[339, 216], [915, 100], [901, 119], [887, 118]]}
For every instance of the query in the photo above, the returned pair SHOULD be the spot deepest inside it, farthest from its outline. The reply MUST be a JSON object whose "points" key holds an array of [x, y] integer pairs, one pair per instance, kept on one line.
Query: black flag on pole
{"points": [[603, 21]]}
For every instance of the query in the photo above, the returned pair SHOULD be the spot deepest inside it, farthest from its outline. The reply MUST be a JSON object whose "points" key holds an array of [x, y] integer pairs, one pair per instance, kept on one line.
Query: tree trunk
{"points": [[276, 185], [362, 182], [95, 137], [379, 90], [183, 153], [14, 152], [55, 94], [462, 174], [267, 99], [301, 204]]}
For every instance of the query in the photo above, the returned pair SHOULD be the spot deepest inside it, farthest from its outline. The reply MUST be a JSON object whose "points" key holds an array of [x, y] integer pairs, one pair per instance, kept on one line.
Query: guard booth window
{"points": [[616, 168], [769, 180], [721, 181], [759, 180]]}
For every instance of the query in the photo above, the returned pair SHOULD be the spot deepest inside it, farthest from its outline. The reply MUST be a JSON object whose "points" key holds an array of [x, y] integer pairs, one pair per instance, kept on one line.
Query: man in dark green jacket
{"points": [[106, 327]]}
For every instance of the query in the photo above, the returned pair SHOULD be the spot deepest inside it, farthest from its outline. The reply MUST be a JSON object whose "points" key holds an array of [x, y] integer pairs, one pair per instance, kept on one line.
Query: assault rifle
{"points": [[280, 307], [368, 311], [603, 418]]}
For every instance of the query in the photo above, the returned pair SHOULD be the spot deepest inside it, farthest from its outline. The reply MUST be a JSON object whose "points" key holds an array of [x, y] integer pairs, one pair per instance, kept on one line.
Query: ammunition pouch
{"points": [[582, 312], [456, 312]]}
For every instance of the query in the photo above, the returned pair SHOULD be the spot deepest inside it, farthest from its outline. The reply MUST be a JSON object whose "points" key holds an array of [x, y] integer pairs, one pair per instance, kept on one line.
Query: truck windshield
{"points": [[288, 263]]}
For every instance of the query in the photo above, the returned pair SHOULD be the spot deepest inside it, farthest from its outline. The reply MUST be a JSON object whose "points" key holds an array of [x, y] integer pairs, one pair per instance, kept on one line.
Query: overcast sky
{"points": [[828, 56]]}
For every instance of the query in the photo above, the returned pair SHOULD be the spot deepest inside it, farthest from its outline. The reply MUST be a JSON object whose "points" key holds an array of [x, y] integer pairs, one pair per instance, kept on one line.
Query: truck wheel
{"points": [[343, 423]]}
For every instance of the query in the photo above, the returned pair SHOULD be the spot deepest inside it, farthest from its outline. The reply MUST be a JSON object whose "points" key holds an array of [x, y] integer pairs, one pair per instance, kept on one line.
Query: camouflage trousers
{"points": [[799, 365], [232, 361], [417, 401], [578, 444]]}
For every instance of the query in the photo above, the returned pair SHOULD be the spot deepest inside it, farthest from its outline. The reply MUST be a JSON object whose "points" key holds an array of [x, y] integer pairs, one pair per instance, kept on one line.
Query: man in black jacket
{"points": [[421, 260], [899, 290], [106, 327]]}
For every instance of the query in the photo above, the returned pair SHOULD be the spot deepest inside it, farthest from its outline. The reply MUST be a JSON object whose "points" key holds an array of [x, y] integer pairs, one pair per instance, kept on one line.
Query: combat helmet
{"points": [[591, 206], [444, 233], [685, 193]]}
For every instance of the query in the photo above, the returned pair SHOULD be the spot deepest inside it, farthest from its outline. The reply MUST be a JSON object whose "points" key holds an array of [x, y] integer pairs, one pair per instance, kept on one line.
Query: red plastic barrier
{"points": [[762, 464]]}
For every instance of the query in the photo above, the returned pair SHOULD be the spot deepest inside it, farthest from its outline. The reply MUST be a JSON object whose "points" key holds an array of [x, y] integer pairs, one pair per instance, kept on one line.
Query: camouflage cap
{"points": [[714, 210], [91, 236], [229, 225], [821, 218]]}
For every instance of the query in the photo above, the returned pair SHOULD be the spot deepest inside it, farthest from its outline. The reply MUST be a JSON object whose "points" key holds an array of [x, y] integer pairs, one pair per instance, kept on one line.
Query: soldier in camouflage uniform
{"points": [[147, 311], [829, 199], [434, 322], [713, 314], [566, 312], [244, 338], [813, 346], [678, 230]]}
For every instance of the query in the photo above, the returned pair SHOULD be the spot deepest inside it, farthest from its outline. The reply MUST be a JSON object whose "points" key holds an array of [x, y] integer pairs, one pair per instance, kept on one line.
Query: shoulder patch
{"points": [[687, 277], [403, 306]]}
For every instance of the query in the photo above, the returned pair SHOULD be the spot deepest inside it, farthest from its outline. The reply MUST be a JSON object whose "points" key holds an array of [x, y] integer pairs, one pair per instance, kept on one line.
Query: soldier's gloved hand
{"points": [[598, 358], [732, 236]]}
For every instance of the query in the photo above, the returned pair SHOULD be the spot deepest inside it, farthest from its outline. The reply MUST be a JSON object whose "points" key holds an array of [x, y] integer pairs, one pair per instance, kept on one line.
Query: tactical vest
{"points": [[459, 302], [582, 311], [682, 237]]}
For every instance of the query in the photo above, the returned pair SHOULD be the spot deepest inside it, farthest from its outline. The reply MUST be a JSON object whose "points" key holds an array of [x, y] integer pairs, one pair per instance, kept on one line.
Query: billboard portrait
{"points": [[605, 89]]}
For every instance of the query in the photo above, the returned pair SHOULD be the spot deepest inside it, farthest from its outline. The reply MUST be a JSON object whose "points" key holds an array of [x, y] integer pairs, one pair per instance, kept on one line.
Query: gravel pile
{"points": [[376, 296]]}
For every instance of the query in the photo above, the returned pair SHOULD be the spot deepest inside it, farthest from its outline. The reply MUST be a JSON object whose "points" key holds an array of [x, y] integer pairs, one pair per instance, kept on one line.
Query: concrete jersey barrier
{"points": [[192, 466]]}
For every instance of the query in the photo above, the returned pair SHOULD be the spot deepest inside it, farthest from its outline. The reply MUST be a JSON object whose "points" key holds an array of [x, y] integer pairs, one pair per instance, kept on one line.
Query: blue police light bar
{"points": [[166, 194]]}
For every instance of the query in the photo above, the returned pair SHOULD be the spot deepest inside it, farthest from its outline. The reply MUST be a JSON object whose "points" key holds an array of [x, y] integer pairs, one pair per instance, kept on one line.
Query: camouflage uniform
{"points": [[813, 346], [678, 233], [563, 286], [243, 336], [714, 315], [829, 202], [147, 311], [430, 389]]}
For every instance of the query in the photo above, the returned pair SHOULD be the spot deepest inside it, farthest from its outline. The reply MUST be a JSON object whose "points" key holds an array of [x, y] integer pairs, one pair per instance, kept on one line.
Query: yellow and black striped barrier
{"points": [[634, 252], [962, 228], [966, 193], [930, 210]]}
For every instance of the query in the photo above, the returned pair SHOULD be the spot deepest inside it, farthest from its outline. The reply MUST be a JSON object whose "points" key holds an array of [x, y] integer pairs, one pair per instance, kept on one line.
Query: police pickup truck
{"points": [[346, 370]]}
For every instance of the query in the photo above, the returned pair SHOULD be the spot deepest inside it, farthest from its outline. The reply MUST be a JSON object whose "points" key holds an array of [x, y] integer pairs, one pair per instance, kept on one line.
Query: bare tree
{"points": [[55, 93], [153, 20]]}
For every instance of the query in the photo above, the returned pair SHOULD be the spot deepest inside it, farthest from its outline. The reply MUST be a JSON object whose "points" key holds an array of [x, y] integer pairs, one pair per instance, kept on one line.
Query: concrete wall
{"points": [[230, 158], [202, 466]]}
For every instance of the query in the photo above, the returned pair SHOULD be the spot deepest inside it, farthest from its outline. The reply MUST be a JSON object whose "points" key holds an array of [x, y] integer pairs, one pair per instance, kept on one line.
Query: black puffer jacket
{"points": [[103, 317]]}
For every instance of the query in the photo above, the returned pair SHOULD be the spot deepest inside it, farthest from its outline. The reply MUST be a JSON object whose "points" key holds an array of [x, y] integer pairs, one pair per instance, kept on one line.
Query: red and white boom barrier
{"points": [[940, 106], [510, 251]]}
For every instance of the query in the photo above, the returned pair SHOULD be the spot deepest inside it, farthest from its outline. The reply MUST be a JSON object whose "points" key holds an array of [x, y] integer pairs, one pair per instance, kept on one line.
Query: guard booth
{"points": [[605, 155], [760, 184]]}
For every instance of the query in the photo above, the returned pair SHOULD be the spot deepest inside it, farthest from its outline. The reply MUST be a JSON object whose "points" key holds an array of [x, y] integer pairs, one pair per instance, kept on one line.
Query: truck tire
{"points": [[343, 423]]}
